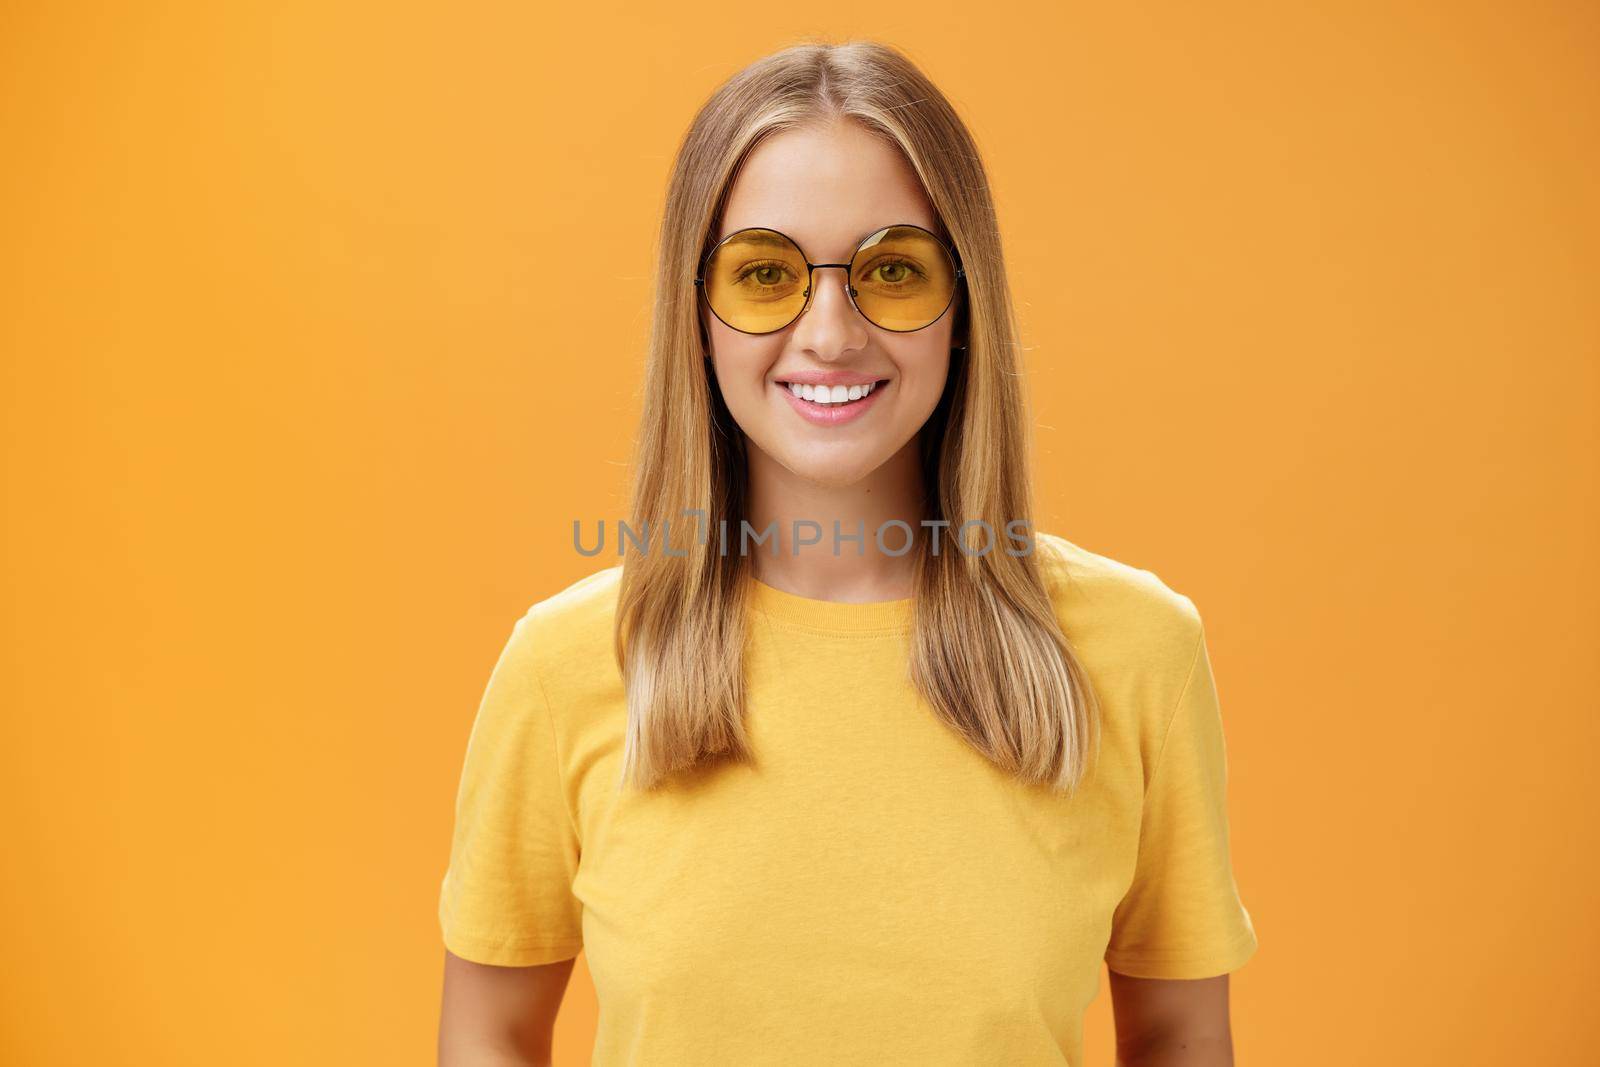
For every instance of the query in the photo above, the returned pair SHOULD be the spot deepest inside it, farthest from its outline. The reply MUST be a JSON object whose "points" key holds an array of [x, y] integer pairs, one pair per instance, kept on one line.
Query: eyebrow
{"points": [[769, 240], [763, 240]]}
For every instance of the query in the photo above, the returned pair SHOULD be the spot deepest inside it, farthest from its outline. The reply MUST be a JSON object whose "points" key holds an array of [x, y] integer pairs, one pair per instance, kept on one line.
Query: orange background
{"points": [[322, 322]]}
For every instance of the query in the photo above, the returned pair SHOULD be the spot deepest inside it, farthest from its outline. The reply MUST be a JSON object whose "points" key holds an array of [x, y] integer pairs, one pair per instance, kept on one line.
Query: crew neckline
{"points": [[831, 615]]}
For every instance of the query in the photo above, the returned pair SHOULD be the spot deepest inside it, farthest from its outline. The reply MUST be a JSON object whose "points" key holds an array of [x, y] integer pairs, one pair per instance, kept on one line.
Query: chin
{"points": [[832, 472]]}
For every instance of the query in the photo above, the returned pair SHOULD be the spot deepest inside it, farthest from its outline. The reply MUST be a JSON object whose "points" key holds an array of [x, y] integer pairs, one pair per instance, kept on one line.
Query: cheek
{"points": [[924, 367], [741, 361]]}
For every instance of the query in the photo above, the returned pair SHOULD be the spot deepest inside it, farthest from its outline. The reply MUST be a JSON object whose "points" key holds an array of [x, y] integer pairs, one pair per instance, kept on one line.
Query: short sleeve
{"points": [[1182, 917], [506, 897]]}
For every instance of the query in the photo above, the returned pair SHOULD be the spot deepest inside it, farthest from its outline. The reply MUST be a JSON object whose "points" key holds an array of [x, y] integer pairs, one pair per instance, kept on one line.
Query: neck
{"points": [[856, 571]]}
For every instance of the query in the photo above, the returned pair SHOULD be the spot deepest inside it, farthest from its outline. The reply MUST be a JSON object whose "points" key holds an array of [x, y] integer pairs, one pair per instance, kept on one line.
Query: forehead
{"points": [[827, 187]]}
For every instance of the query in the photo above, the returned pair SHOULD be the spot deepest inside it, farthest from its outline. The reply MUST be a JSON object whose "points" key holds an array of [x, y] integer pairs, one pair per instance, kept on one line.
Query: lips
{"points": [[830, 412], [832, 392]]}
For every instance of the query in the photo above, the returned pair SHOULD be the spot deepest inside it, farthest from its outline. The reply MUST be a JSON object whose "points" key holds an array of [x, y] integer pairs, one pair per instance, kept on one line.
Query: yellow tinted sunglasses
{"points": [[902, 278]]}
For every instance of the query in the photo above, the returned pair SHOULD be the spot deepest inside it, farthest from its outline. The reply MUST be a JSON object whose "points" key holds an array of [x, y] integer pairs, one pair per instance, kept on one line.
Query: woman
{"points": [[873, 789]]}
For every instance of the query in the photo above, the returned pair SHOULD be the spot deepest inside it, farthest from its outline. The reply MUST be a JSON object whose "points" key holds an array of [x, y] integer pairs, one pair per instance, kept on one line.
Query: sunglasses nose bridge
{"points": [[850, 290], [811, 279]]}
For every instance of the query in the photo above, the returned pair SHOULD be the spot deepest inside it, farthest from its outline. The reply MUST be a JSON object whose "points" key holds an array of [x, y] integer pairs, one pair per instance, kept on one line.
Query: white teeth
{"points": [[837, 394]]}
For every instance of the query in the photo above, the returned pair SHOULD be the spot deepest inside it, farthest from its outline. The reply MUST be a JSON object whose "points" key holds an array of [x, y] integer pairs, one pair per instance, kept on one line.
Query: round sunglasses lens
{"points": [[904, 278], [755, 281]]}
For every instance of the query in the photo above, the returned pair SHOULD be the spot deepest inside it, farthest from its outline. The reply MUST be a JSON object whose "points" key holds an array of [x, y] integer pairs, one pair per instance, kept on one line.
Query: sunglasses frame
{"points": [[848, 268]]}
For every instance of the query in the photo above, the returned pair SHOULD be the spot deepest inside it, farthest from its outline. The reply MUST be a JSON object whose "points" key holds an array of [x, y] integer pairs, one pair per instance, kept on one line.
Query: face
{"points": [[828, 188]]}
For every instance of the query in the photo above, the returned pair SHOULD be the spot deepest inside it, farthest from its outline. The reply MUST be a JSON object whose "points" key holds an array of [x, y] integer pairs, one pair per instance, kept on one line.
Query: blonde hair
{"points": [[987, 651]]}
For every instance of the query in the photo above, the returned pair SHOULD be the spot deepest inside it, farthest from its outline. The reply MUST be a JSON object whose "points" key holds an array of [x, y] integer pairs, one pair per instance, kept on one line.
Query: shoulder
{"points": [[1122, 614], [590, 598], [570, 630]]}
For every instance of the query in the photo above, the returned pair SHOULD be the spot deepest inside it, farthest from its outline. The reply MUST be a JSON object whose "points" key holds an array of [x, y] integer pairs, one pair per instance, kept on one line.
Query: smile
{"points": [[830, 405], [830, 394]]}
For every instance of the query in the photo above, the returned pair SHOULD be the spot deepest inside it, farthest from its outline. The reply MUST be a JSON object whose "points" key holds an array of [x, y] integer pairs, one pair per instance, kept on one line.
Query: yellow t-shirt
{"points": [[875, 892]]}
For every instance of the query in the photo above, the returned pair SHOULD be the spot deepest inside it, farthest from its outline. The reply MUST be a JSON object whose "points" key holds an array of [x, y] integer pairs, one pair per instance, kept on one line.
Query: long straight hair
{"points": [[987, 650]]}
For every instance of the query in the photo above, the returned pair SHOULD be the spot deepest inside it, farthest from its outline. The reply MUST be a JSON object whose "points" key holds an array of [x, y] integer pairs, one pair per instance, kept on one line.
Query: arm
{"points": [[1181, 929], [1167, 1022], [510, 923], [499, 1016]]}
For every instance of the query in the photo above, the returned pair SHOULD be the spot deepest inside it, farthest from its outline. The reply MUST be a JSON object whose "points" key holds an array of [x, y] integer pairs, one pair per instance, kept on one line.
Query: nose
{"points": [[830, 326]]}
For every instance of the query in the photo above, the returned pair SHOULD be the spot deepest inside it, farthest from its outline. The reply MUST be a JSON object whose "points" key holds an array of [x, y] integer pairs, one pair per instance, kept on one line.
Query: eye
{"points": [[766, 274], [893, 271]]}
